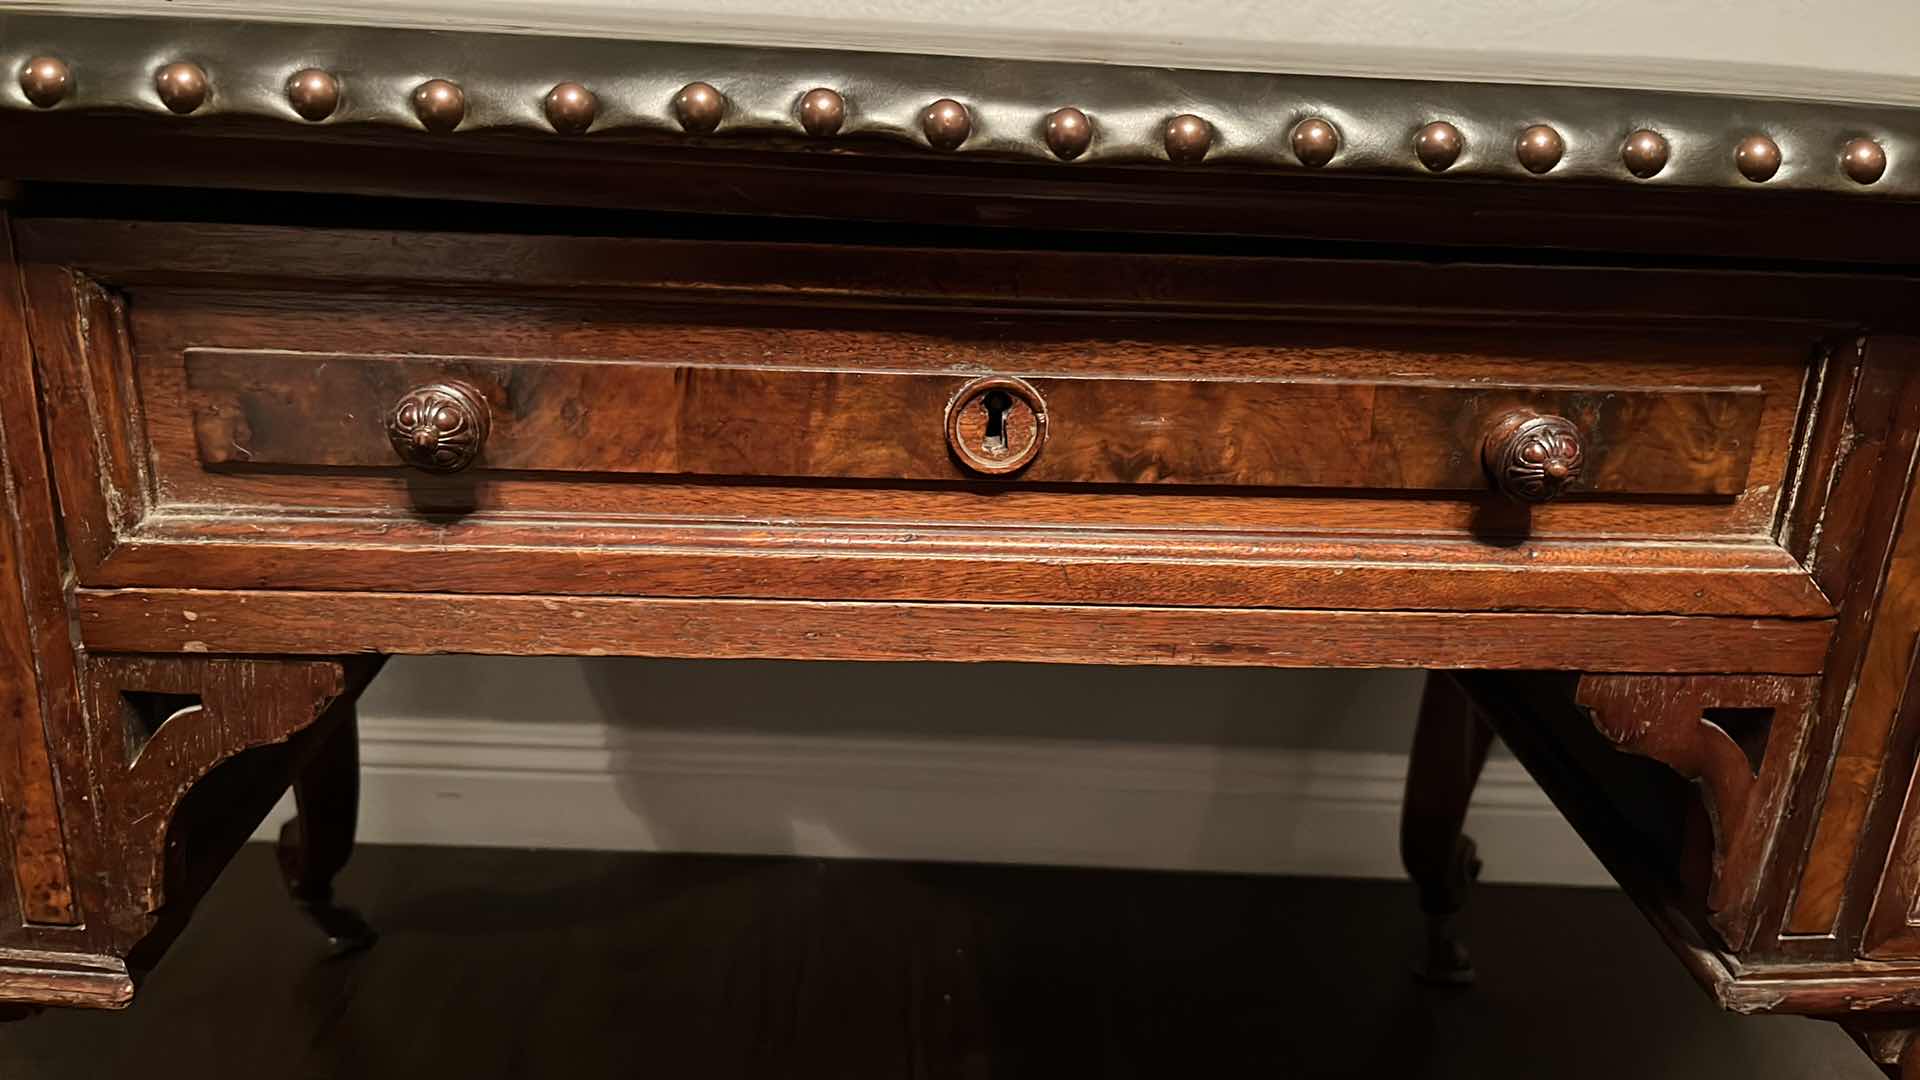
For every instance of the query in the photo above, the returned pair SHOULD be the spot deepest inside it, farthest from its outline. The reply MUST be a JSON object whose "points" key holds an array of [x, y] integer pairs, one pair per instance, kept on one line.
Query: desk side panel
{"points": [[37, 691]]}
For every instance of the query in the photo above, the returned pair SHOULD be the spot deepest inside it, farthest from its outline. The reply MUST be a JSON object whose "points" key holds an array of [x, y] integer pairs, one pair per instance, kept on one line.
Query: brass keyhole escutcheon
{"points": [[996, 425]]}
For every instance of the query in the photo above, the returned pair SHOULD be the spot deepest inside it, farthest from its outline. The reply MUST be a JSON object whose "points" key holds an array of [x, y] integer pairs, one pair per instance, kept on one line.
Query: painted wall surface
{"points": [[1307, 710], [1164, 768]]}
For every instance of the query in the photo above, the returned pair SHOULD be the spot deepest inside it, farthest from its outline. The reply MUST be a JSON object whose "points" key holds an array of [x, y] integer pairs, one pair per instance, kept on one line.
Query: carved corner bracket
{"points": [[161, 725], [1740, 738]]}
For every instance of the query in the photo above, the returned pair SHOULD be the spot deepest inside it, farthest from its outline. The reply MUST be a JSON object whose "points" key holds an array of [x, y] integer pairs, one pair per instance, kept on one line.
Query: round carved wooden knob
{"points": [[996, 425], [1532, 457], [440, 427]]}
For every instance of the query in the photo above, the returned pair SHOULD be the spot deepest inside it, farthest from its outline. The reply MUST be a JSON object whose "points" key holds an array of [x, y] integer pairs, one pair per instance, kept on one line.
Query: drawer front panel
{"points": [[757, 421], [268, 408]]}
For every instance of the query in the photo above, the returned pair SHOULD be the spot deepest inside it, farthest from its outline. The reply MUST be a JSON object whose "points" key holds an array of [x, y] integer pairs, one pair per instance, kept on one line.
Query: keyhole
{"points": [[998, 404]]}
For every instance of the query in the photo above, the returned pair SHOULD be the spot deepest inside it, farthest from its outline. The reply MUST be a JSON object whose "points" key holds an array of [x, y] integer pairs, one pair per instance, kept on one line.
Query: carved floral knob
{"points": [[440, 427], [1533, 457]]}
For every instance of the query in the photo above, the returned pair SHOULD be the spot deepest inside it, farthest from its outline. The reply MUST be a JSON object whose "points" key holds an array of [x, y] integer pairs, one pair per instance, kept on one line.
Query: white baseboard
{"points": [[1067, 802]]}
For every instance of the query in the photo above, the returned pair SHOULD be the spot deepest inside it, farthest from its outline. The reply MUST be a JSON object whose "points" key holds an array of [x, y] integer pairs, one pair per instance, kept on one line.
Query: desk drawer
{"points": [[259, 409], [668, 418]]}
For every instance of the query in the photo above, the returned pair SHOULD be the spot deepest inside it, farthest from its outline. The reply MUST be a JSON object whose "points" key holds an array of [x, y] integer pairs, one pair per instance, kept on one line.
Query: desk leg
{"points": [[1449, 748], [316, 843], [1889, 1041]]}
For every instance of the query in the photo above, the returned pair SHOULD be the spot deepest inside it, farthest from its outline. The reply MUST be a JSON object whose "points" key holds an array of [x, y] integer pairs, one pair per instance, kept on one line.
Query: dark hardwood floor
{"points": [[501, 963]]}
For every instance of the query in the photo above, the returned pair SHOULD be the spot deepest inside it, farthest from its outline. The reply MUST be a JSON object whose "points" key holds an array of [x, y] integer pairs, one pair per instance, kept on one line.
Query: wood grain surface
{"points": [[80, 980], [1743, 771], [1166, 567], [1048, 314], [686, 306], [1039, 273], [284, 622], [724, 439], [235, 706], [263, 408], [38, 692], [1868, 555]]}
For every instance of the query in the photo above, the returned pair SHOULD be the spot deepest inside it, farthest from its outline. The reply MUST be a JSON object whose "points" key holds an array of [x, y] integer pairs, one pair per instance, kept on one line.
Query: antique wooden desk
{"points": [[322, 344]]}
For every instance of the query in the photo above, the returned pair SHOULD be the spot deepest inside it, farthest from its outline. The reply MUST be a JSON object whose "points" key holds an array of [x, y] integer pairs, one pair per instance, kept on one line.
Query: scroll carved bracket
{"points": [[162, 725], [1671, 719]]}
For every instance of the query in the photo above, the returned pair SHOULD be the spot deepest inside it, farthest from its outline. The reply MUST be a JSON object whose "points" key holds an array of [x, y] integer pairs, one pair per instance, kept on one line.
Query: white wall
{"points": [[1170, 768]]}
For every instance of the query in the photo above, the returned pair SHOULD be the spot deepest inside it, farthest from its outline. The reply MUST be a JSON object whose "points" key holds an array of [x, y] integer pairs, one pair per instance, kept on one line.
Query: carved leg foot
{"points": [[317, 842], [1445, 961], [1891, 1042], [1449, 748]]}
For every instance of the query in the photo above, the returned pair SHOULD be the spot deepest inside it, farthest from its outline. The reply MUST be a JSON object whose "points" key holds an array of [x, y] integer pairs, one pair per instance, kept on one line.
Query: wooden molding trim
{"points": [[1670, 721], [81, 981], [806, 272], [309, 623], [215, 709]]}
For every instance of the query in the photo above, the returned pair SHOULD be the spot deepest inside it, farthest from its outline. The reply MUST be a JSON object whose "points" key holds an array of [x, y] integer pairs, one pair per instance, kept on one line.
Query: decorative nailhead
{"points": [[1539, 149], [45, 80], [946, 124], [699, 107], [1069, 133], [440, 105], [182, 86], [570, 108], [1315, 141], [1645, 153], [822, 112], [1864, 161], [1438, 145], [1188, 138], [313, 93], [1758, 158]]}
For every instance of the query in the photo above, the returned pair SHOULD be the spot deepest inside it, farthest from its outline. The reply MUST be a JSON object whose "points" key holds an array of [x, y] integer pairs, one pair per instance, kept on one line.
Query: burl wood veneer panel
{"points": [[167, 325], [326, 411]]}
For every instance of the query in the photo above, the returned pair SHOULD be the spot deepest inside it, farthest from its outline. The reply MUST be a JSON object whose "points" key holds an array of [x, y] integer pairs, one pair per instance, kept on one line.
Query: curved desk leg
{"points": [[1892, 1042], [1449, 748], [316, 843]]}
